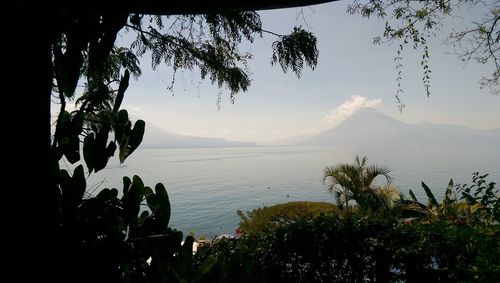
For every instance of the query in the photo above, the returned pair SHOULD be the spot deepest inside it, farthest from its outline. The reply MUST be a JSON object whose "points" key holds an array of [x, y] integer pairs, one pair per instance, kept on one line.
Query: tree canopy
{"points": [[411, 23], [50, 53]]}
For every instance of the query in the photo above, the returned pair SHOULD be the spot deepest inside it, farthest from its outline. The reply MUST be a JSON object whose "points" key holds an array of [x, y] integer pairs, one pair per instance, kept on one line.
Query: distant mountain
{"points": [[155, 137], [369, 127], [291, 140]]}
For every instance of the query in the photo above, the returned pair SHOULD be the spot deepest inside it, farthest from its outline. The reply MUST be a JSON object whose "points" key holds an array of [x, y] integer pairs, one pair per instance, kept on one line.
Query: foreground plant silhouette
{"points": [[83, 50]]}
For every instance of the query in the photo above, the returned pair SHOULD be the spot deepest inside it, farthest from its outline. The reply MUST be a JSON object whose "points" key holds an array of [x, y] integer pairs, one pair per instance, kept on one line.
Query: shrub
{"points": [[352, 248], [270, 217]]}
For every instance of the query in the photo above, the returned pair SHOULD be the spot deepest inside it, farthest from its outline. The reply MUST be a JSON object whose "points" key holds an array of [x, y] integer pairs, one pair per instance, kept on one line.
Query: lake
{"points": [[207, 185]]}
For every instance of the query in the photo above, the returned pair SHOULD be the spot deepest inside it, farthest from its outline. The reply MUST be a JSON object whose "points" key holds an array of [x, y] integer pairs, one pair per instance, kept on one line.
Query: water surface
{"points": [[207, 185]]}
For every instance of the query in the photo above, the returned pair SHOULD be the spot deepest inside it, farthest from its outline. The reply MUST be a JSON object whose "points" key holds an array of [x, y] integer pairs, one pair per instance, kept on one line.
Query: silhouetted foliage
{"points": [[355, 248], [111, 239], [108, 237]]}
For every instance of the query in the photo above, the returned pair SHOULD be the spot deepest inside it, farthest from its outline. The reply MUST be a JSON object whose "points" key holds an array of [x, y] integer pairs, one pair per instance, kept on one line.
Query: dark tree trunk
{"points": [[28, 191]]}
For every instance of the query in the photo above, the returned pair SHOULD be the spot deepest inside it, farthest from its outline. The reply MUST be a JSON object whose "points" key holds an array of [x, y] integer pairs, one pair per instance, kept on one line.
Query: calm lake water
{"points": [[207, 185]]}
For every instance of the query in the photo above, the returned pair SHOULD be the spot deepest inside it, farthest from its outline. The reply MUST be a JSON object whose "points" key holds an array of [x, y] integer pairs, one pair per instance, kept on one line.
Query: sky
{"points": [[352, 73]]}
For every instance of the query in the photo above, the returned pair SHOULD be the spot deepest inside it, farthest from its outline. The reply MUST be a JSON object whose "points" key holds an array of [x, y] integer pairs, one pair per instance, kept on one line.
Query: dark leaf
{"points": [[430, 196], [88, 151], [136, 135], [412, 195], [126, 185], [163, 202], [121, 90]]}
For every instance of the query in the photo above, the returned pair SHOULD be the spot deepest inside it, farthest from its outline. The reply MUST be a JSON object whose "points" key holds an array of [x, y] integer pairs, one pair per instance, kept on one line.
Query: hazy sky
{"points": [[351, 73]]}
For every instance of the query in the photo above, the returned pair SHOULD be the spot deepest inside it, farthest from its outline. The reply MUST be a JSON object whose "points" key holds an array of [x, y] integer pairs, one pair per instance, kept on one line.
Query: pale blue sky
{"points": [[351, 73]]}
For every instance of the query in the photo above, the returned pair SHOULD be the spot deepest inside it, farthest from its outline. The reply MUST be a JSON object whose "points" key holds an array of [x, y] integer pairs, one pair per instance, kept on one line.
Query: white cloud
{"points": [[349, 107]]}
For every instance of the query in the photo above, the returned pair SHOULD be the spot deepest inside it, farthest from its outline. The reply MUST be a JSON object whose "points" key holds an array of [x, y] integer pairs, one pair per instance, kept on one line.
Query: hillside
{"points": [[155, 137]]}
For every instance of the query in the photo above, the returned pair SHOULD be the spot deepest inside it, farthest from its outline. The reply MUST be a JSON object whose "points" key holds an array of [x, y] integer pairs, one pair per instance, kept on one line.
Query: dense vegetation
{"points": [[270, 217], [452, 241], [352, 248]]}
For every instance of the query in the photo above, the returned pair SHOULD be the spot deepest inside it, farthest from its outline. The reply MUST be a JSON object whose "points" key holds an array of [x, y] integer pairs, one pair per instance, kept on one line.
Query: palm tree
{"points": [[386, 199], [354, 182]]}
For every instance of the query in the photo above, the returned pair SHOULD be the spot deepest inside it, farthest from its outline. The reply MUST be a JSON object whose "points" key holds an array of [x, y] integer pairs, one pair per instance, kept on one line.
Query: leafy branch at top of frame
{"points": [[211, 44], [412, 22]]}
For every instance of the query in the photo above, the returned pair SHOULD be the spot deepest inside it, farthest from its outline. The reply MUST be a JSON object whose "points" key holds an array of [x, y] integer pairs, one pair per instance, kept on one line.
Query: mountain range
{"points": [[365, 128], [155, 137], [369, 127]]}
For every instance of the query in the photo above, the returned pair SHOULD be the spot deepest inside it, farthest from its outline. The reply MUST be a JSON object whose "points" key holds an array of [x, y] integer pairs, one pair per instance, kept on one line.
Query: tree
{"points": [[354, 182], [412, 23], [49, 53]]}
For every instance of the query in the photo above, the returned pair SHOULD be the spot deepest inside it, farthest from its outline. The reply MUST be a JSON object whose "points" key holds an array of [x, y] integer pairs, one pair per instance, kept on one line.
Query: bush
{"points": [[270, 217], [356, 249]]}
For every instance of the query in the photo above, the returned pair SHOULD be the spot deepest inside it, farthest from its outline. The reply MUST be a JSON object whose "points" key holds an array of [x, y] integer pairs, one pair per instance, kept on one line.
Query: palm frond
{"points": [[354, 181], [430, 196], [373, 171], [412, 195], [360, 163]]}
